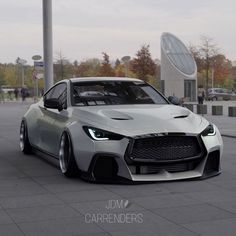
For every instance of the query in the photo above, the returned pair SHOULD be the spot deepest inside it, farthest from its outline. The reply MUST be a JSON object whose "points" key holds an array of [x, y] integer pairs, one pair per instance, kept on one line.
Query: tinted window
{"points": [[58, 92], [115, 93]]}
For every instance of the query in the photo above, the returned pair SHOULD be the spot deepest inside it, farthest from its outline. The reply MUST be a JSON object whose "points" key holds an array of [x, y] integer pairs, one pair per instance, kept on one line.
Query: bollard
{"points": [[189, 106], [232, 111], [217, 110], [201, 109]]}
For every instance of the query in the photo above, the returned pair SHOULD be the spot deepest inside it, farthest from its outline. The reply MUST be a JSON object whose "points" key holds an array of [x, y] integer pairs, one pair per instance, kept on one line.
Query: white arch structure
{"points": [[178, 69]]}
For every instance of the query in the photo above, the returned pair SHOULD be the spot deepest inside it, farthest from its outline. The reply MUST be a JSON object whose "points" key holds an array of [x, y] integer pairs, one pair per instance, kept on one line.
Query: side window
{"points": [[59, 92]]}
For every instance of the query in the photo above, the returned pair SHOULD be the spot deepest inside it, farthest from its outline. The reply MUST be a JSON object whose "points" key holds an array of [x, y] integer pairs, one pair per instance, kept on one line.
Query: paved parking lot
{"points": [[35, 199]]}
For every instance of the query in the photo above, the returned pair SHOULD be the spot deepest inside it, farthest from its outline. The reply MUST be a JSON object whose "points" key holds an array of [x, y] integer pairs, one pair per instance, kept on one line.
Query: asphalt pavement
{"points": [[36, 199]]}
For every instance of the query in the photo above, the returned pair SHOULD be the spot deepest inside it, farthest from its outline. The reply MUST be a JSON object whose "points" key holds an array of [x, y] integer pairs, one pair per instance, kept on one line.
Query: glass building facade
{"points": [[178, 69]]}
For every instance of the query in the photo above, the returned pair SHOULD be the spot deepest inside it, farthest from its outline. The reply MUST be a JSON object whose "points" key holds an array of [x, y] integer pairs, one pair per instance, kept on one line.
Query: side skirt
{"points": [[46, 156]]}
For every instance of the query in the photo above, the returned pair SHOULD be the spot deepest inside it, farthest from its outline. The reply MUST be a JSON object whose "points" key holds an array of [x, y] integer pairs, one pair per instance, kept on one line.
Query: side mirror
{"points": [[53, 103], [174, 100]]}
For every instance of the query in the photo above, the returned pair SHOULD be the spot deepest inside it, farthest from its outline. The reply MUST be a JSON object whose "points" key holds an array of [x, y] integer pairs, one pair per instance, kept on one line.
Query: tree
{"points": [[60, 67], [2, 80], [81, 70], [197, 56], [233, 72], [117, 63], [143, 65], [208, 50], [222, 70], [119, 71], [106, 69], [10, 76], [212, 66], [75, 63], [88, 68]]}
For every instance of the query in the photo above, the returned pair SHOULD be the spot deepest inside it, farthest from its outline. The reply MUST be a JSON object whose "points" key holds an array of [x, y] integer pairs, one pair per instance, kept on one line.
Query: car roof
{"points": [[93, 79]]}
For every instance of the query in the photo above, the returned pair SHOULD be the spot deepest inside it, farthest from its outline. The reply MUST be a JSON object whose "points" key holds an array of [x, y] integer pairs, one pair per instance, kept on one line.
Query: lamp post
{"points": [[47, 43], [207, 67], [22, 62], [35, 78], [212, 77], [214, 61]]}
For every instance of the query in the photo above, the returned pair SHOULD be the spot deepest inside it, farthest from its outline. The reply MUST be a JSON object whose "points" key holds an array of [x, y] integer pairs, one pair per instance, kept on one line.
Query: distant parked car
{"points": [[215, 94]]}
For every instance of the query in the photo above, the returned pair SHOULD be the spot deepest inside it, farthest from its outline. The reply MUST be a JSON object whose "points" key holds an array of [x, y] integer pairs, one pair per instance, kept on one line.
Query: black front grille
{"points": [[165, 148], [170, 167]]}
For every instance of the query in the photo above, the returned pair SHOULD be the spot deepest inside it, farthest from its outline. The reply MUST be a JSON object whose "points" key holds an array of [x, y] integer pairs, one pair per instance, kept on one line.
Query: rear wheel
{"points": [[24, 139], [66, 157]]}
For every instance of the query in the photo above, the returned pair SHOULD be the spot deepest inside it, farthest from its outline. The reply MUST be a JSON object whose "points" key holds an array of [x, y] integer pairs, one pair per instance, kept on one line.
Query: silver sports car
{"points": [[120, 129]]}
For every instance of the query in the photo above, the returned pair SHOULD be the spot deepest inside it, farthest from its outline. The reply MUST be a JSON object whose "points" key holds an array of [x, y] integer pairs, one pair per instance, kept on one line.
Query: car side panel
{"points": [[46, 130], [60, 122], [31, 117]]}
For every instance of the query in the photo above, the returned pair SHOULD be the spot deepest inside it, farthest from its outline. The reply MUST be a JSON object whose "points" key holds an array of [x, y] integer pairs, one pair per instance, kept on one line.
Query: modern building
{"points": [[178, 69]]}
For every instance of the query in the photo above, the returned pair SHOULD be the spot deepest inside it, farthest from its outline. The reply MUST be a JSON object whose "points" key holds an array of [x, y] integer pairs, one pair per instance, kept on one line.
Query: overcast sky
{"points": [[84, 29]]}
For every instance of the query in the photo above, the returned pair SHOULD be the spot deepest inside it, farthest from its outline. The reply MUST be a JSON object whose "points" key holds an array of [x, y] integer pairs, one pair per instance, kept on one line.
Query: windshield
{"points": [[114, 93]]}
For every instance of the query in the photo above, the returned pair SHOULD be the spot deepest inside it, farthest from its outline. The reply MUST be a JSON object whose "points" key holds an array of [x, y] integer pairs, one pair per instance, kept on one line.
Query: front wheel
{"points": [[24, 139], [66, 157]]}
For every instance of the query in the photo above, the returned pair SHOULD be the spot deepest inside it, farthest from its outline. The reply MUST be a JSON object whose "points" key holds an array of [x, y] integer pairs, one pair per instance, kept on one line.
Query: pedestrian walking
{"points": [[16, 92], [24, 93], [10, 95], [200, 94]]}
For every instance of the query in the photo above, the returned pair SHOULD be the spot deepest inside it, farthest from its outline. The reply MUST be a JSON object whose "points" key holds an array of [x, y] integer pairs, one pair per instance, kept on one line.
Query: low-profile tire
{"points": [[25, 146], [67, 161]]}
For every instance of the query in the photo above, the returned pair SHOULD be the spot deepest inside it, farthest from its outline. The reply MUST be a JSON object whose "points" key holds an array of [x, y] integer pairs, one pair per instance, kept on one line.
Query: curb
{"points": [[228, 136]]}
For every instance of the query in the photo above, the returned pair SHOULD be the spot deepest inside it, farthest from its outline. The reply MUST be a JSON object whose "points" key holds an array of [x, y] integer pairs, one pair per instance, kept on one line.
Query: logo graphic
{"points": [[113, 217]]}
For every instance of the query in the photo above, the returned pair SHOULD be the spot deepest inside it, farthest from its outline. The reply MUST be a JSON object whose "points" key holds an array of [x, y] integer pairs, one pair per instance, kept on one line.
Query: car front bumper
{"points": [[100, 153]]}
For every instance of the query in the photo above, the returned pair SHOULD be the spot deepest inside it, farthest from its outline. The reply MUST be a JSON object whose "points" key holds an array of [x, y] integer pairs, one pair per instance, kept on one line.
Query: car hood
{"points": [[131, 120]]}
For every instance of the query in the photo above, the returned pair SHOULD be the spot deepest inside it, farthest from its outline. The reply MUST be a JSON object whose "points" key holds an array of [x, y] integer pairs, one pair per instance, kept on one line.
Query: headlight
{"points": [[101, 135], [209, 130]]}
